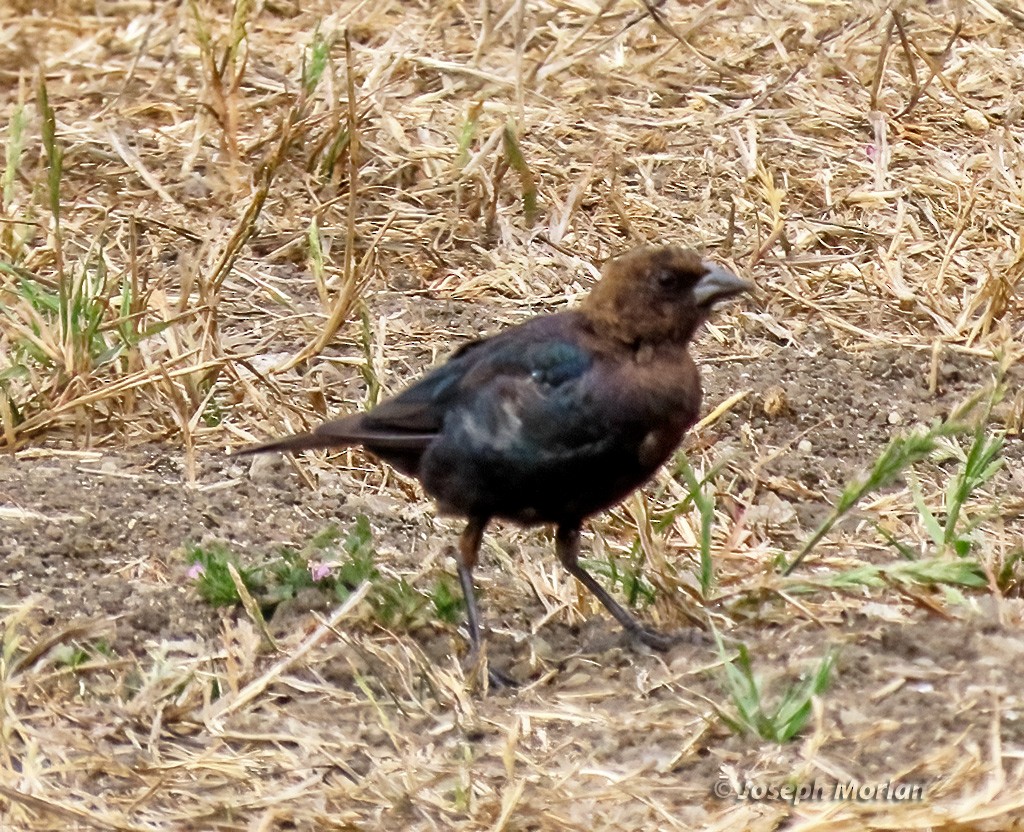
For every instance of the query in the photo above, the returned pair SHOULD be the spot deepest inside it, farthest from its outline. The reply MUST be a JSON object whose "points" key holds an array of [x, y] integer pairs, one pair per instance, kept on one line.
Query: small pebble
{"points": [[269, 468], [975, 119], [775, 402], [543, 649], [804, 446], [895, 418]]}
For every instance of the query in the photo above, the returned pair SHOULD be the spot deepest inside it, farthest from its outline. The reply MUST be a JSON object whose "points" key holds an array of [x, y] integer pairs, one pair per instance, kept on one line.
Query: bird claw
{"points": [[500, 681], [472, 665], [654, 639]]}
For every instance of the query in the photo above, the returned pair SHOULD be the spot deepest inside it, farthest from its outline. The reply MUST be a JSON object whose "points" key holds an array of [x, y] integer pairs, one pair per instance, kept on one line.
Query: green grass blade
{"points": [[54, 153], [705, 503], [897, 457], [516, 160], [931, 525], [315, 61], [15, 147]]}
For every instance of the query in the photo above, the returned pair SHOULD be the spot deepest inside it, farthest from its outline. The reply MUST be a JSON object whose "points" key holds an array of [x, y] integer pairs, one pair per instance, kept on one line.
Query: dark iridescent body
{"points": [[555, 419]]}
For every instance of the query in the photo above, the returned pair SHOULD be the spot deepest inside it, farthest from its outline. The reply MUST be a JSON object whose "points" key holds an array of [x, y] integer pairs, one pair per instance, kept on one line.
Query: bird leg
{"points": [[567, 545], [469, 548], [466, 557]]}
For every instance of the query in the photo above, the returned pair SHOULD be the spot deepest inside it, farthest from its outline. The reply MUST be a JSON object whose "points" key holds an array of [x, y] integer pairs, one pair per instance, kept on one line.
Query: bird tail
{"points": [[294, 444], [345, 433]]}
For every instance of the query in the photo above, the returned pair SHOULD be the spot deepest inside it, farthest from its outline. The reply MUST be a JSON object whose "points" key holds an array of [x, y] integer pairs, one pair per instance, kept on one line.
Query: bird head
{"points": [[656, 294]]}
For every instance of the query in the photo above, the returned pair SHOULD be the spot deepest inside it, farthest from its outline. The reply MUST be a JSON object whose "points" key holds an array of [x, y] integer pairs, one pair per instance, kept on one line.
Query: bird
{"points": [[553, 420]]}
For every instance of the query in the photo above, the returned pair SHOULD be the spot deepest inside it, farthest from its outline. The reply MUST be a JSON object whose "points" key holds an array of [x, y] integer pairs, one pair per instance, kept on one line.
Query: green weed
{"points": [[209, 569], [367, 369], [925, 572], [331, 562], [515, 159], [15, 147], [1009, 578], [950, 529], [73, 656], [447, 601], [468, 133], [62, 329], [899, 455], [701, 496], [752, 715], [982, 460], [316, 260], [315, 61], [54, 165], [637, 590], [397, 603]]}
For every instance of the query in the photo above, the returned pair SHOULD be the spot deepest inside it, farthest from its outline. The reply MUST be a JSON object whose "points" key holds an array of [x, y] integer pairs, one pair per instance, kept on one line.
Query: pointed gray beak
{"points": [[718, 284]]}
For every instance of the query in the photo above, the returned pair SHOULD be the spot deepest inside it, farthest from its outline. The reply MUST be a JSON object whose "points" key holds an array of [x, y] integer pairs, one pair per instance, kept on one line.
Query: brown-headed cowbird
{"points": [[555, 419]]}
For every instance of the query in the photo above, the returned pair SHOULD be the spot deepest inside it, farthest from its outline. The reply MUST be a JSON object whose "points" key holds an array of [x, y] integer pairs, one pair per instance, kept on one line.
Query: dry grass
{"points": [[227, 190]]}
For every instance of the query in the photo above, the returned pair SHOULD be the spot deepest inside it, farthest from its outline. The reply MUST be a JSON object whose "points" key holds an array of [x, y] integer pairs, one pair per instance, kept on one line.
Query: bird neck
{"points": [[637, 329]]}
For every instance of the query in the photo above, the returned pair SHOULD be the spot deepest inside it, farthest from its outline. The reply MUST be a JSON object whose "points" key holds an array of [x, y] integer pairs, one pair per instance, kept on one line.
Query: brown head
{"points": [[656, 294]]}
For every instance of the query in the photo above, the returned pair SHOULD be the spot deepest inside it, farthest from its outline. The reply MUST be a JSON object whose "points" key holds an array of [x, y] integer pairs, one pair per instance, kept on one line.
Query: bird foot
{"points": [[500, 681], [472, 665], [654, 639]]}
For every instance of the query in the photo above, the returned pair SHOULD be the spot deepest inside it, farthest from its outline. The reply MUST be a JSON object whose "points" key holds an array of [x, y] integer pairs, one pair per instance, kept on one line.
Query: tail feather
{"points": [[296, 443], [344, 433]]}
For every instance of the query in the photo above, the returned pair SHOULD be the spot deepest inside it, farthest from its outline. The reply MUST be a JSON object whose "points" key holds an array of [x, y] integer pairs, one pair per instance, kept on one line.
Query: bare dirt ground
{"points": [[920, 692], [260, 252]]}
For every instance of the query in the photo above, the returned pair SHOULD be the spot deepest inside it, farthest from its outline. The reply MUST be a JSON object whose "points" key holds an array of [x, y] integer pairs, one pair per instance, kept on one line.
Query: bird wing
{"points": [[541, 352], [488, 378], [529, 392]]}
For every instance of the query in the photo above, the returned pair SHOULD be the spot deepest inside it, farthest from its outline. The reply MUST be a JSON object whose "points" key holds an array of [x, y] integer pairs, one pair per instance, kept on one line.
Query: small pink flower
{"points": [[871, 151], [195, 571], [319, 571]]}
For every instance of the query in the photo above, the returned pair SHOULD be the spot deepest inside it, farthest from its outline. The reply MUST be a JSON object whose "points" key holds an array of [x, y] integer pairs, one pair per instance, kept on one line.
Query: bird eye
{"points": [[668, 279], [675, 280]]}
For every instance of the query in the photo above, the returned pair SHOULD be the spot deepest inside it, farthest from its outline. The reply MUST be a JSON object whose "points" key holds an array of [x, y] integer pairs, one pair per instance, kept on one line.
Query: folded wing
{"points": [[535, 359]]}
